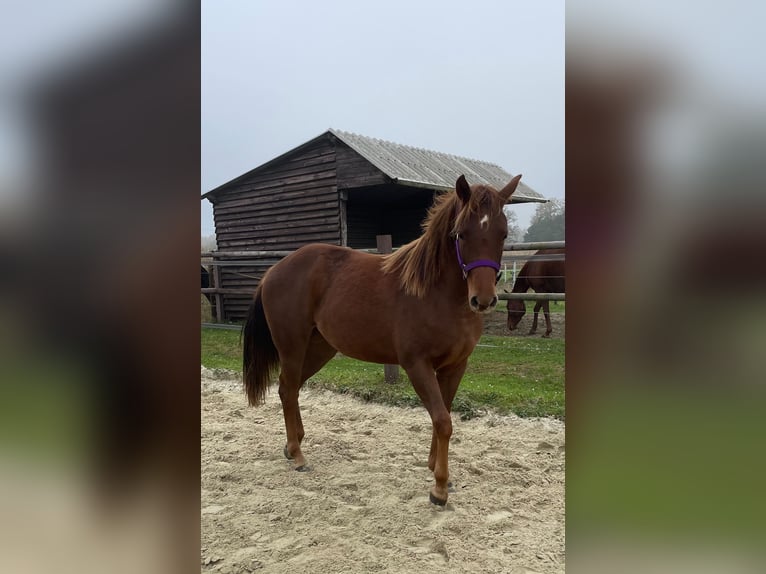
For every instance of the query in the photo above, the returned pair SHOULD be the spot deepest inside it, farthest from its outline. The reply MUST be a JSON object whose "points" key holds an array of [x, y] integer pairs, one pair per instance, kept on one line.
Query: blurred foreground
{"points": [[99, 401], [666, 143]]}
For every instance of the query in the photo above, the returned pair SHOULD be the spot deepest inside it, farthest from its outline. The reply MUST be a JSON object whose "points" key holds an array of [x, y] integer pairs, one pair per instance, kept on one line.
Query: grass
{"points": [[524, 376]]}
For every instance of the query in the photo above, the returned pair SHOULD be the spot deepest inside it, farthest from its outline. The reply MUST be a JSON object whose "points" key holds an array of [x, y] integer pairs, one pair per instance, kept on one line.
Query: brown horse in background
{"points": [[420, 307], [542, 277]]}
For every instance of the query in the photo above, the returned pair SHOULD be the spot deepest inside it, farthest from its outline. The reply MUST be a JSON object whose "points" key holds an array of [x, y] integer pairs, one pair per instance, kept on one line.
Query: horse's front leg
{"points": [[427, 387], [449, 380]]}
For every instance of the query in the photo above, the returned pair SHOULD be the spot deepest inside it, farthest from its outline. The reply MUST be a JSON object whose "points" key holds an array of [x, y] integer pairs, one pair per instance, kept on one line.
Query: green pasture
{"points": [[522, 375]]}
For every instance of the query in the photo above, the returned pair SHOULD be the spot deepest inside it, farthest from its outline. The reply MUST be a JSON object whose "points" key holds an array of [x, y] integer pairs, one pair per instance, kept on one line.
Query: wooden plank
{"points": [[342, 218], [279, 203], [321, 163], [354, 170], [236, 219], [532, 296], [287, 207], [318, 156], [390, 372], [279, 244], [279, 195], [282, 228], [286, 231], [554, 257], [245, 253], [303, 176], [270, 241], [218, 309], [533, 246]]}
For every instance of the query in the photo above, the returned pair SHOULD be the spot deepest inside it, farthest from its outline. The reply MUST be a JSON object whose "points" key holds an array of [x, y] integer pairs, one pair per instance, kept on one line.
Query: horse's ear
{"points": [[508, 190], [463, 189]]}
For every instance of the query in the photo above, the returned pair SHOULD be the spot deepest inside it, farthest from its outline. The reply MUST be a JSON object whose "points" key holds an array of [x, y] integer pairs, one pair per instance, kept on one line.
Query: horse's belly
{"points": [[359, 341]]}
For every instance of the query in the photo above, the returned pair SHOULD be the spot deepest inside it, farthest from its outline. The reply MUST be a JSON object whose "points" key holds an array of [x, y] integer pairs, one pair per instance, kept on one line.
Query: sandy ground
{"points": [[364, 506]]}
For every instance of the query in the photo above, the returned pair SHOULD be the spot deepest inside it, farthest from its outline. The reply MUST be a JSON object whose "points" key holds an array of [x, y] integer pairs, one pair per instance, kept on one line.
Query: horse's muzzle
{"points": [[478, 306]]}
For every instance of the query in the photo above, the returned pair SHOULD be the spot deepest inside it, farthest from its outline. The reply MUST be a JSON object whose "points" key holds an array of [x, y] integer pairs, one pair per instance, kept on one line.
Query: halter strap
{"points": [[473, 264]]}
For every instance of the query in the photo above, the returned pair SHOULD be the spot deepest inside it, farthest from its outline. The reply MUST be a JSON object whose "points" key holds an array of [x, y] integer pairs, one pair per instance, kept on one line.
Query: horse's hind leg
{"points": [[317, 353], [289, 385], [547, 313], [533, 330]]}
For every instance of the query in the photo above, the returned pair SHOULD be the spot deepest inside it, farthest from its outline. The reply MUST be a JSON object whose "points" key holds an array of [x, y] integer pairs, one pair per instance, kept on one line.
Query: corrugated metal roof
{"points": [[420, 167], [410, 166]]}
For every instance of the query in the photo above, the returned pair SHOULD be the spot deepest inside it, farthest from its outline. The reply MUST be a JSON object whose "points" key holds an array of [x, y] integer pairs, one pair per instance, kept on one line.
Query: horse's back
{"points": [[546, 276], [338, 291], [319, 263], [305, 272]]}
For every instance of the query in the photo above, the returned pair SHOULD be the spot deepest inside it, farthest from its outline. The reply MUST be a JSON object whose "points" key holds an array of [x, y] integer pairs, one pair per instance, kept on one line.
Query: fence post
{"points": [[385, 245], [218, 306]]}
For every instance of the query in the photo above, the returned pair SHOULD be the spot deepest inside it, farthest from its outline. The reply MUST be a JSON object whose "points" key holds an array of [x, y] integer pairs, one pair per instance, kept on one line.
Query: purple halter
{"points": [[474, 264]]}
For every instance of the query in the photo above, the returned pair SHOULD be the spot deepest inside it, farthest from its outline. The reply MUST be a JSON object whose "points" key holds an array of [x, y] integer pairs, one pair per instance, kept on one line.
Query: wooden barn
{"points": [[339, 188]]}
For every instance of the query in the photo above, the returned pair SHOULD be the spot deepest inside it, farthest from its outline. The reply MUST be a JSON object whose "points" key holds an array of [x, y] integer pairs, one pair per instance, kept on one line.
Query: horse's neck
{"points": [[521, 285]]}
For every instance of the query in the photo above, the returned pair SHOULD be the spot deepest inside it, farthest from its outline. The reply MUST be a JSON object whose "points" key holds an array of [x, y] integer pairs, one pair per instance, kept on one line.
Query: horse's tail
{"points": [[260, 358]]}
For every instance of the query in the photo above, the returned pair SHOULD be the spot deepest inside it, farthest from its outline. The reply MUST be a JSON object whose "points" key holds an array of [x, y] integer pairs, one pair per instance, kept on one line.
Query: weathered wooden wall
{"points": [[354, 170], [284, 206], [288, 204]]}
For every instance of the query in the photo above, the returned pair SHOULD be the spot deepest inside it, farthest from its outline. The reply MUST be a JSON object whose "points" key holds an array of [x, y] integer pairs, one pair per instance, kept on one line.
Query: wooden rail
{"points": [[532, 296], [534, 246], [218, 259]]}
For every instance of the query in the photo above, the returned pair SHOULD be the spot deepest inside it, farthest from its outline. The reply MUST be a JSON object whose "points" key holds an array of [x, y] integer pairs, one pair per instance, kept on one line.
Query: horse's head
{"points": [[516, 310], [480, 231]]}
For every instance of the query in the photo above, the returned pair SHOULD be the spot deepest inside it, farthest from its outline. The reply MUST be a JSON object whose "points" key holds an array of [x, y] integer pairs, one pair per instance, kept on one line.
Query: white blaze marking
{"points": [[484, 221]]}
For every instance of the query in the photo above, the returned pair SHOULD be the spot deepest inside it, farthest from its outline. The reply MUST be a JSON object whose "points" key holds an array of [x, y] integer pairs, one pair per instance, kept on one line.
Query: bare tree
{"points": [[515, 232]]}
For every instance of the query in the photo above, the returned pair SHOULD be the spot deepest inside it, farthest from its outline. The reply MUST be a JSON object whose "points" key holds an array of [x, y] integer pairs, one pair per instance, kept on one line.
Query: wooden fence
{"points": [[218, 259]]}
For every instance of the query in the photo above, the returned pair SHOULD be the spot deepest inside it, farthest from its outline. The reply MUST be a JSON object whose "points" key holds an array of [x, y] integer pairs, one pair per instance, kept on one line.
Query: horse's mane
{"points": [[419, 263]]}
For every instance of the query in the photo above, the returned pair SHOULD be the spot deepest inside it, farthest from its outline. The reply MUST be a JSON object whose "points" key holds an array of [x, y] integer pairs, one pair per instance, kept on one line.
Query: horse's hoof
{"points": [[287, 454], [435, 500], [303, 468]]}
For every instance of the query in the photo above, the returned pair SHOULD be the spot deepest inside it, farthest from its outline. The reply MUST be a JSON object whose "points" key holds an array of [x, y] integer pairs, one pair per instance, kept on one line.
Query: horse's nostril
{"points": [[494, 301], [474, 301]]}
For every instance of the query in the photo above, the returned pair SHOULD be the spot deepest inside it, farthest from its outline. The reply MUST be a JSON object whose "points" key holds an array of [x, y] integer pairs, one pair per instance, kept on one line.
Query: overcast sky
{"points": [[481, 79]]}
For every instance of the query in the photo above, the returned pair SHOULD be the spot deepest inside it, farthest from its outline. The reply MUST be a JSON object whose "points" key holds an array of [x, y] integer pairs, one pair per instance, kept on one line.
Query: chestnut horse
{"points": [[543, 277], [420, 307]]}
